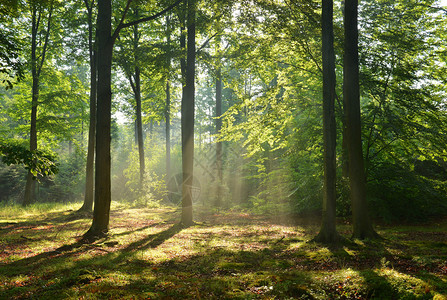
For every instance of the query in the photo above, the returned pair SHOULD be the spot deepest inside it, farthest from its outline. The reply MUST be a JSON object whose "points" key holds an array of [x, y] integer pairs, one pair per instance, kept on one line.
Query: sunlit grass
{"points": [[231, 255], [33, 212]]}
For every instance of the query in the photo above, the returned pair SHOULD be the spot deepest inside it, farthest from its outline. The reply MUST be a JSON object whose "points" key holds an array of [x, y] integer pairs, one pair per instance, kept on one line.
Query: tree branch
{"points": [[125, 25], [132, 84], [44, 50], [207, 41], [118, 28]]}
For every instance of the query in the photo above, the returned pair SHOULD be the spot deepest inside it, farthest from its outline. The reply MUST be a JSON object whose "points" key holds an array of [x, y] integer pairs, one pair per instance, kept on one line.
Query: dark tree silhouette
{"points": [[362, 227], [328, 232], [188, 117]]}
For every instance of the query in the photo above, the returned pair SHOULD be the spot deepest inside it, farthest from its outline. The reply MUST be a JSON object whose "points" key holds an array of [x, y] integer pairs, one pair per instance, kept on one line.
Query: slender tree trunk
{"points": [[139, 127], [100, 224], [36, 68], [362, 227], [218, 129], [188, 119], [168, 101], [137, 90], [29, 196], [89, 171], [328, 232], [168, 131]]}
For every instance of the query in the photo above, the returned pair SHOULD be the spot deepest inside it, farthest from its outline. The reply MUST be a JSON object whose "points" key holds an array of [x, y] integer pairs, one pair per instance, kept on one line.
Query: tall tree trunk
{"points": [[29, 196], [362, 227], [135, 82], [100, 224], [36, 68], [137, 91], [105, 41], [168, 131], [328, 232], [89, 171], [168, 101], [139, 127], [188, 119], [218, 129]]}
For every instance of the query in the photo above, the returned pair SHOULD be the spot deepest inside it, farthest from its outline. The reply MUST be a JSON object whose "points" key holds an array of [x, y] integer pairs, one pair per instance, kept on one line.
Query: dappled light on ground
{"points": [[148, 255]]}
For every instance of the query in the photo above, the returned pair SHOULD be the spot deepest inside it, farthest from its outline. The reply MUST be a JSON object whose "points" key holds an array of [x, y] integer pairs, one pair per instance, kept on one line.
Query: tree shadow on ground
{"points": [[155, 240], [277, 267], [50, 218]]}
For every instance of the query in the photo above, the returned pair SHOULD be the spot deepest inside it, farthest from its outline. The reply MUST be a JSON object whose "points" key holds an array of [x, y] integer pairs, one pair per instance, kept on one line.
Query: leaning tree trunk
{"points": [[328, 232], [188, 119], [100, 223], [362, 227]]}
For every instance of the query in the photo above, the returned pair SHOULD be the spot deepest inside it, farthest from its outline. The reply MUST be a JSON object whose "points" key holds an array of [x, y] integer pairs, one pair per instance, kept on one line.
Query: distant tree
{"points": [[134, 75], [328, 232], [362, 227]]}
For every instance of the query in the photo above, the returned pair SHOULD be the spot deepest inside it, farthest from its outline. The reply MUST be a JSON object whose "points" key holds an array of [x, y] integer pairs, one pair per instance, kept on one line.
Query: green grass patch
{"points": [[147, 255]]}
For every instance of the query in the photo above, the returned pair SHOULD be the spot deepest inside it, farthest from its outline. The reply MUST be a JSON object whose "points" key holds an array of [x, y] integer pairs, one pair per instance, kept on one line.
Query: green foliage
{"points": [[154, 192], [68, 184], [403, 108], [12, 181], [11, 67], [40, 163], [399, 194], [154, 185]]}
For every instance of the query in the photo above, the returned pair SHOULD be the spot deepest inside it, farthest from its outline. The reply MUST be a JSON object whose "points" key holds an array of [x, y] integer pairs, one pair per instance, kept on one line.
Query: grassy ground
{"points": [[225, 256]]}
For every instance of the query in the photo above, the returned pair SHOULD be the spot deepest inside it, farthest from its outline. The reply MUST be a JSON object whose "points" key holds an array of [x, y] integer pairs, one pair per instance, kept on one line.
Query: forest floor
{"points": [[227, 255]]}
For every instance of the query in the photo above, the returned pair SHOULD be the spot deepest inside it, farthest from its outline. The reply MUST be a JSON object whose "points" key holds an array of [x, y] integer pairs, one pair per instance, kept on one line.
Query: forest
{"points": [[223, 149]]}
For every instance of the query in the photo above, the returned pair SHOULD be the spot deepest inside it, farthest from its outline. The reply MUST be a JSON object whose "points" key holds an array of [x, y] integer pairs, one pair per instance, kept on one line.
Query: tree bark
{"points": [[100, 224], [362, 227], [89, 171], [328, 232], [188, 119]]}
